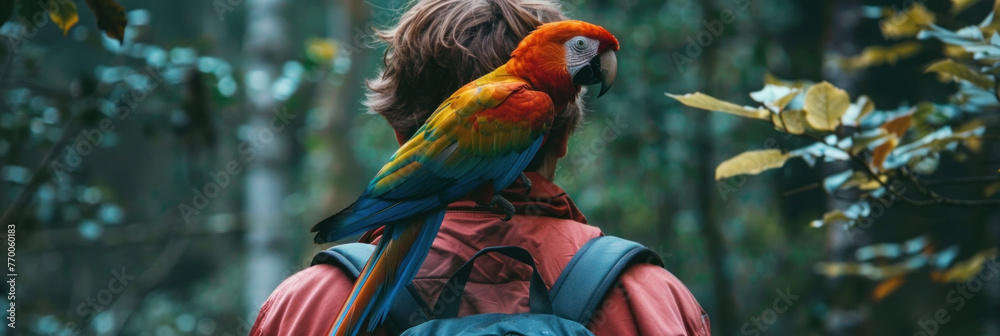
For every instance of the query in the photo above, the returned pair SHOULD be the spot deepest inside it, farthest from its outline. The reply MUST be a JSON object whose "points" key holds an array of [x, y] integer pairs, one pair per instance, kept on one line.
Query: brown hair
{"points": [[439, 45]]}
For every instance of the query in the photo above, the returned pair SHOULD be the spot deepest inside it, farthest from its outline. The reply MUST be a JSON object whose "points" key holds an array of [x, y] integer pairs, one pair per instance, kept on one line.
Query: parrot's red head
{"points": [[559, 57]]}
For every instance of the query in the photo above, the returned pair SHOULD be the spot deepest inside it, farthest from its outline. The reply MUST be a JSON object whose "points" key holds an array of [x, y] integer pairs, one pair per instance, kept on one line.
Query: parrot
{"points": [[480, 138]]}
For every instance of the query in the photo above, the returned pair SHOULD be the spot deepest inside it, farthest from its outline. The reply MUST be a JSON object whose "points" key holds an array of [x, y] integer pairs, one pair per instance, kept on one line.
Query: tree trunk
{"points": [[840, 319], [265, 174], [335, 177], [705, 189]]}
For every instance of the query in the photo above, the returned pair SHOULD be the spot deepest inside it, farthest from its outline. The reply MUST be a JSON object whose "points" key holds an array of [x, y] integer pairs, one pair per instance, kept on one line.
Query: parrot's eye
{"points": [[581, 43]]}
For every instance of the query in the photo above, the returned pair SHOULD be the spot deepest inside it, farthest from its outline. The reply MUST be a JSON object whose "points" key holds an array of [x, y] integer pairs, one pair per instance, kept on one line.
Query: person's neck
{"points": [[548, 167]]}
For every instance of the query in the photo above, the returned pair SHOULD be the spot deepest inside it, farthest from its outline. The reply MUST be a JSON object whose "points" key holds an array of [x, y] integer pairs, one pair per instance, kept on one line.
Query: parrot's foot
{"points": [[502, 205], [527, 183]]}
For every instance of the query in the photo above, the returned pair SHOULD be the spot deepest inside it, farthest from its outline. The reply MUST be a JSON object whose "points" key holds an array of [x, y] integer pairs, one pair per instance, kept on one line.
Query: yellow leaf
{"points": [[991, 189], [993, 26], [966, 269], [878, 55], [781, 103], [706, 102], [867, 106], [321, 50], [65, 15], [957, 6], [882, 152], [110, 18], [923, 110], [861, 143], [887, 287], [863, 181], [949, 69], [791, 121], [907, 23], [751, 163], [770, 79], [834, 217], [898, 126], [970, 125], [957, 52], [824, 106], [975, 144], [775, 97]]}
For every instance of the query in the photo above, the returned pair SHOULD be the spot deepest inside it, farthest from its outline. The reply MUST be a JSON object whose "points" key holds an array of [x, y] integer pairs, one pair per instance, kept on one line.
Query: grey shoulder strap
{"points": [[408, 310], [591, 274]]}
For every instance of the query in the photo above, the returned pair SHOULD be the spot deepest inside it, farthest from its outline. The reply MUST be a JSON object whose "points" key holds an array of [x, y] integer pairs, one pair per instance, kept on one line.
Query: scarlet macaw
{"points": [[483, 136]]}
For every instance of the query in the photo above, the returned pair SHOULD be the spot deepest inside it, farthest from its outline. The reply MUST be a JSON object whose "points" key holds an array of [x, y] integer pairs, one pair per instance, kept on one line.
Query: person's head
{"points": [[439, 45]]}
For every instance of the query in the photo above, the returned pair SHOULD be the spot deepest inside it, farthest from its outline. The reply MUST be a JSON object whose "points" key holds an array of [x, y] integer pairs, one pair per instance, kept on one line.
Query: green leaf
{"points": [[110, 18], [65, 15], [751, 163], [706, 102], [824, 106], [949, 69], [869, 140]]}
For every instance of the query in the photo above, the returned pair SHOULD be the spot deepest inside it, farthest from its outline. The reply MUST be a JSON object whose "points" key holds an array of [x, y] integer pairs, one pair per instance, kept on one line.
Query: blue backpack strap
{"points": [[591, 274], [408, 310]]}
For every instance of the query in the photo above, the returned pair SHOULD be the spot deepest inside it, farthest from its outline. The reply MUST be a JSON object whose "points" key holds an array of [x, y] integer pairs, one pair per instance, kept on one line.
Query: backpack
{"points": [[566, 309]]}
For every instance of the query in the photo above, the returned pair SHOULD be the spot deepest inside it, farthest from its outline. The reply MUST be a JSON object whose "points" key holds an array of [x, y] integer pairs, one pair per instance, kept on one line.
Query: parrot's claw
{"points": [[527, 184], [502, 204]]}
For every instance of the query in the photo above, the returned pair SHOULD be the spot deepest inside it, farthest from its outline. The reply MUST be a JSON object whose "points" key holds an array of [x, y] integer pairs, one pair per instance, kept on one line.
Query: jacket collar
{"points": [[546, 199]]}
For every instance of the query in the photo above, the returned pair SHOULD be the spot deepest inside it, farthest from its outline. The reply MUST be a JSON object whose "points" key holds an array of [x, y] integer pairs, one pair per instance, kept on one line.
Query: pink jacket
{"points": [[647, 301]]}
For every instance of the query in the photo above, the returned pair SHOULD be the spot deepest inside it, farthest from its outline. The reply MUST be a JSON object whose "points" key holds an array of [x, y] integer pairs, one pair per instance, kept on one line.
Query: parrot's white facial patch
{"points": [[579, 51]]}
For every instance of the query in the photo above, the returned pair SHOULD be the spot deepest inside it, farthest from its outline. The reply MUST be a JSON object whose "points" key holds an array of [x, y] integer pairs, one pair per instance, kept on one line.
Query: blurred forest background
{"points": [[188, 160]]}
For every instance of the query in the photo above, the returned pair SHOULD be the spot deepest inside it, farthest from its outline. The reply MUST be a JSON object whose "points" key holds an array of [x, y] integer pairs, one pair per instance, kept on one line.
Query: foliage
{"points": [[110, 15], [884, 150]]}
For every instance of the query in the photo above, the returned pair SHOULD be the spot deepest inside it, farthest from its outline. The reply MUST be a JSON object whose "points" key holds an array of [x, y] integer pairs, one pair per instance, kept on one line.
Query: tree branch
{"points": [[960, 180], [13, 213], [804, 188], [936, 199]]}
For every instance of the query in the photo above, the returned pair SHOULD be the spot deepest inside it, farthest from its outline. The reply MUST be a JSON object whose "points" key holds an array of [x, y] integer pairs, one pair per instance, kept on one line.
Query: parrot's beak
{"points": [[601, 69], [609, 69]]}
